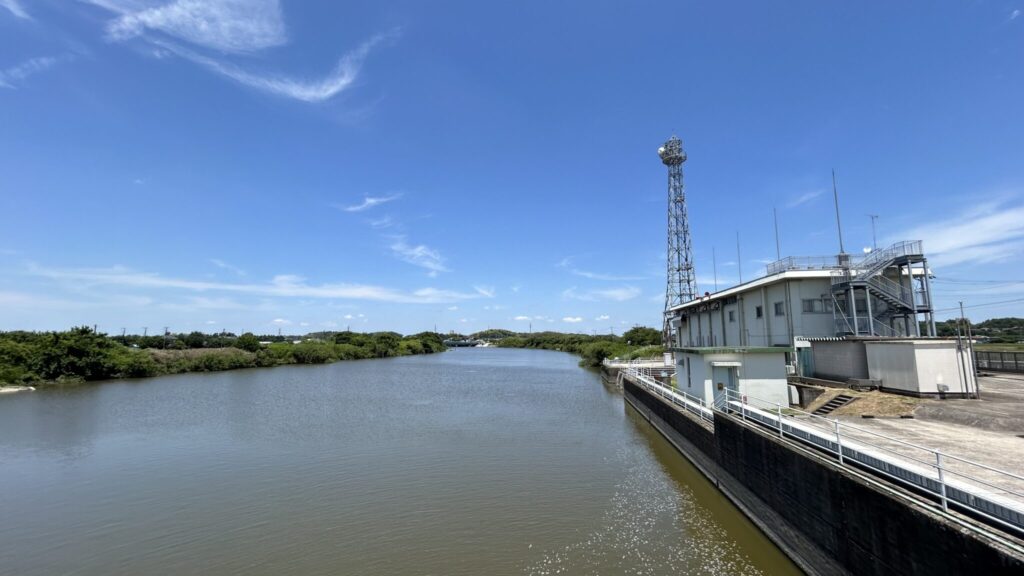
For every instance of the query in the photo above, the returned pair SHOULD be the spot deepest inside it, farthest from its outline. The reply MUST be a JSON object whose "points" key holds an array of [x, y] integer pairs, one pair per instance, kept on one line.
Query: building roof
{"points": [[756, 283]]}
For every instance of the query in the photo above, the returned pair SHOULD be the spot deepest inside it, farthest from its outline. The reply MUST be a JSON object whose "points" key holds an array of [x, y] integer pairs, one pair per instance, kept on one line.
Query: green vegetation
{"points": [[639, 342], [995, 330], [81, 354]]}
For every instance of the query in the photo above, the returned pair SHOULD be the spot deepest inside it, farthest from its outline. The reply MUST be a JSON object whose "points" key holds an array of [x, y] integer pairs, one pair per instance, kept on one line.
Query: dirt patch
{"points": [[879, 404], [874, 403]]}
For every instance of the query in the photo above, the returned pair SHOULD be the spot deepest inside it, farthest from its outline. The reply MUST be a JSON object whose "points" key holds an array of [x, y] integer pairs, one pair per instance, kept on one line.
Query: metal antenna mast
{"points": [[682, 282]]}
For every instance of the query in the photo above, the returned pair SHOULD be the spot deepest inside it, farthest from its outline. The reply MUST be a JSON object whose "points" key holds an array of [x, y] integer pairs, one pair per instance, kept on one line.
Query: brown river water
{"points": [[475, 462]]}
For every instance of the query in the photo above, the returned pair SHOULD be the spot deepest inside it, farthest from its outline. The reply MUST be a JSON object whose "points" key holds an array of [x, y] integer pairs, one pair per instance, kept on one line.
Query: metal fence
{"points": [[986, 492], [980, 490], [999, 361]]}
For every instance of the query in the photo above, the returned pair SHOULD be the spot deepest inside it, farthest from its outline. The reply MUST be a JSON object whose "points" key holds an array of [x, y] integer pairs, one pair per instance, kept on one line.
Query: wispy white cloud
{"points": [[1015, 14], [572, 319], [225, 266], [804, 198], [381, 223], [305, 90], [419, 255], [287, 286], [485, 291], [369, 202], [230, 27], [521, 318], [15, 7], [599, 276], [453, 308], [603, 317], [990, 232], [227, 25], [620, 294], [568, 261], [11, 77]]}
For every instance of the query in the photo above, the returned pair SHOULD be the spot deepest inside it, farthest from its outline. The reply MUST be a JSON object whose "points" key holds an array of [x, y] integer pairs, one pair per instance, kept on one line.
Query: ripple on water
{"points": [[652, 525]]}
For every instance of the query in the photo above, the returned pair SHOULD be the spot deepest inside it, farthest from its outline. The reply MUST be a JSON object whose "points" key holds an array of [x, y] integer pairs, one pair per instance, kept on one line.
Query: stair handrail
{"points": [[893, 289], [879, 259]]}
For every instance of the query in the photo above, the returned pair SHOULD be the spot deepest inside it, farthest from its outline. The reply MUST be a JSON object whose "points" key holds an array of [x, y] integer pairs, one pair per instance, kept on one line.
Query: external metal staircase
{"points": [[880, 277]]}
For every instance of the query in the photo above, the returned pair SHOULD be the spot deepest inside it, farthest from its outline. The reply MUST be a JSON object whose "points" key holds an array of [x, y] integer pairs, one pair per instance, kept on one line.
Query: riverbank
{"points": [[639, 342], [82, 354]]}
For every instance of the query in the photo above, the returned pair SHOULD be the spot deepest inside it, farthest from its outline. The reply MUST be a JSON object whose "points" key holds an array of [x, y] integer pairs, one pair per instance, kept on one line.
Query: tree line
{"points": [[85, 354], [639, 342]]}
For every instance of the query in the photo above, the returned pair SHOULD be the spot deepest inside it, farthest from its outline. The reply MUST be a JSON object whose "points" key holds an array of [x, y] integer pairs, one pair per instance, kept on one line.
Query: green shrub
{"points": [[312, 353]]}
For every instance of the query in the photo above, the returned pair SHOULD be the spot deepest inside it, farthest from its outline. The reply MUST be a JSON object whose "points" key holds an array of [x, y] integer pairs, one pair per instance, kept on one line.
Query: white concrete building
{"points": [[762, 324]]}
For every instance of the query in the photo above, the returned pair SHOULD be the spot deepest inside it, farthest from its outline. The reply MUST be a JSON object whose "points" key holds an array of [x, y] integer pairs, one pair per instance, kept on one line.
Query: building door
{"points": [[724, 378], [806, 360]]}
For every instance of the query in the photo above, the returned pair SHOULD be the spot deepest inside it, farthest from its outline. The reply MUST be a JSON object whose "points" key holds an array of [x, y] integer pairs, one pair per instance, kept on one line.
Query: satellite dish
{"points": [[661, 151]]}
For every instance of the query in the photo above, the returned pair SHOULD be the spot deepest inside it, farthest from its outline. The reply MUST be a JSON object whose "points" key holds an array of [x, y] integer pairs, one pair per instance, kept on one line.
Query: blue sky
{"points": [[256, 165]]}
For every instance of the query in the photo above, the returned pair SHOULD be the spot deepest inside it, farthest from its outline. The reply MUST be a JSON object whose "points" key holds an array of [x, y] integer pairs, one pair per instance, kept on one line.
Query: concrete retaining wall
{"points": [[828, 519]]}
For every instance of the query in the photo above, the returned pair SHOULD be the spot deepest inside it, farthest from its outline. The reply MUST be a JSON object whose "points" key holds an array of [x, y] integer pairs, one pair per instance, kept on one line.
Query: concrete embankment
{"points": [[828, 519]]}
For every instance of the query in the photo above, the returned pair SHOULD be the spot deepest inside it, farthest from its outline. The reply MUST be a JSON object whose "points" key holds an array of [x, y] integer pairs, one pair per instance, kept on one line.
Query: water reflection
{"points": [[472, 462]]}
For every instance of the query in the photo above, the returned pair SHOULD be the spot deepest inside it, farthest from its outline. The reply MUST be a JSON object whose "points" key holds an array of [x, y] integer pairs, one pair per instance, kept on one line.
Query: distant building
{"points": [[750, 336]]}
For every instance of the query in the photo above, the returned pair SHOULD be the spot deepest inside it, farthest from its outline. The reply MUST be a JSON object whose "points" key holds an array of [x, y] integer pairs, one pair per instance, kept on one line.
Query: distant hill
{"points": [[996, 329]]}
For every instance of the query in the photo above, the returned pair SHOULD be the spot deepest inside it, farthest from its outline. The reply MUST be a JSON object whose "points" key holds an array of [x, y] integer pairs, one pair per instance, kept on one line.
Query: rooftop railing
{"points": [[803, 263]]}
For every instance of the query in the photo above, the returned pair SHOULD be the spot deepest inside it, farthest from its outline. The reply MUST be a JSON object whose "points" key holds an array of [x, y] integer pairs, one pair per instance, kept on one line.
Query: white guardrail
{"points": [[986, 492], [644, 375]]}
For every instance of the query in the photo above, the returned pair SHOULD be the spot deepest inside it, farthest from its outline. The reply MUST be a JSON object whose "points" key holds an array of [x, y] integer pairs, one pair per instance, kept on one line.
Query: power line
{"points": [[965, 281], [1015, 300]]}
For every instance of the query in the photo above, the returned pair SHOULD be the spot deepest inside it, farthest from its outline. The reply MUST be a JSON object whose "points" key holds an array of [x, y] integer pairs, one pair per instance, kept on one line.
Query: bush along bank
{"points": [[82, 354], [639, 342]]}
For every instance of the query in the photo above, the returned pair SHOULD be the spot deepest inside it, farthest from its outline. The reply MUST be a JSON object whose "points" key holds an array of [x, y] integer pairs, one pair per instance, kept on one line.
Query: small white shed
{"points": [[921, 367]]}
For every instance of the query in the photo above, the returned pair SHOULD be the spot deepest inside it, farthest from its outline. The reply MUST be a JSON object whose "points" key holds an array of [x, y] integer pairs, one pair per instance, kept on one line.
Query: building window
{"points": [[780, 308], [732, 315], [759, 312], [817, 306]]}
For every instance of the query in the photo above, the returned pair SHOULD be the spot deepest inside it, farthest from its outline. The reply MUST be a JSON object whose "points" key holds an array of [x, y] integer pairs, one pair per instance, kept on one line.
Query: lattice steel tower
{"points": [[682, 280]]}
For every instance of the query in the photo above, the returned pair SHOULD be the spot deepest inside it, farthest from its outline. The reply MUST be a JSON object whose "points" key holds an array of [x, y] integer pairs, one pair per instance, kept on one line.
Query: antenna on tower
{"points": [[739, 261], [839, 224], [714, 267], [778, 252], [681, 284]]}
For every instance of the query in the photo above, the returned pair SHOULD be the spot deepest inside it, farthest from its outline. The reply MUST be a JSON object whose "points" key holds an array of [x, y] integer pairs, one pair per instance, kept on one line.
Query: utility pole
{"points": [[970, 346], [145, 329], [874, 240], [835, 198]]}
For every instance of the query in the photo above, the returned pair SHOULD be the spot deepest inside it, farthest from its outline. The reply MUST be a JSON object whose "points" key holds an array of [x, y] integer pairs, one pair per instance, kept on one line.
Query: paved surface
{"points": [[984, 431], [998, 450], [1001, 407]]}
